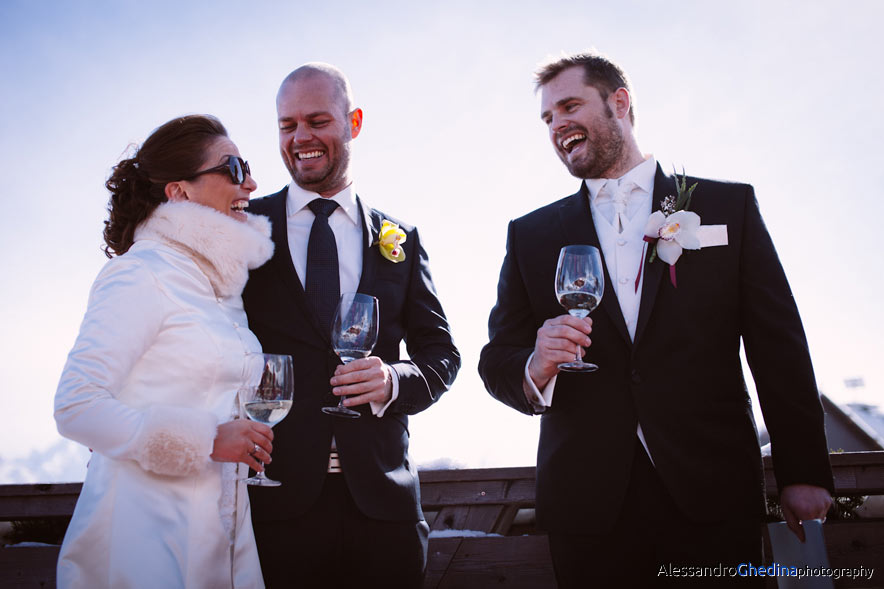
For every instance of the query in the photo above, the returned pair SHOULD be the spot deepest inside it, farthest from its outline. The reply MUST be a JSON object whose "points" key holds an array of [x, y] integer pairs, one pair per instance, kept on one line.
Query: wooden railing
{"points": [[482, 527]]}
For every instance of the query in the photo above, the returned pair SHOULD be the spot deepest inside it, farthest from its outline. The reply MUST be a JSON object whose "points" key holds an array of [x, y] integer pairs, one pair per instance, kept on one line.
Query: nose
{"points": [[302, 134], [557, 122], [249, 184]]}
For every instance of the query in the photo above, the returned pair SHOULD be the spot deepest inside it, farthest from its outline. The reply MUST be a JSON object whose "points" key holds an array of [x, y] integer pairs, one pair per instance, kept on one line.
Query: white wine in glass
{"points": [[580, 283], [354, 334], [270, 400]]}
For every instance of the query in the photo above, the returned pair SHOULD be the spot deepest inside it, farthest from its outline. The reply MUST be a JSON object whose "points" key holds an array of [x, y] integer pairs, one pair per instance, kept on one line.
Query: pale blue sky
{"points": [[785, 95]]}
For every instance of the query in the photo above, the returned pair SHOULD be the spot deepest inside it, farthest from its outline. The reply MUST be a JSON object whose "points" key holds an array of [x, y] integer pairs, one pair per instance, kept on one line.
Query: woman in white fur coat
{"points": [[150, 385]]}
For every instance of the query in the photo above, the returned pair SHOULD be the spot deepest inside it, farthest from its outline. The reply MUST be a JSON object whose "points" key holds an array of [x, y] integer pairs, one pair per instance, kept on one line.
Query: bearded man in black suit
{"points": [[348, 512], [653, 459]]}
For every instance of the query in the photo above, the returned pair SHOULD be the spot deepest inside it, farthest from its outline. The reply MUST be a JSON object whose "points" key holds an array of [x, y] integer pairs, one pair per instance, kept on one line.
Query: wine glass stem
{"points": [[577, 355]]}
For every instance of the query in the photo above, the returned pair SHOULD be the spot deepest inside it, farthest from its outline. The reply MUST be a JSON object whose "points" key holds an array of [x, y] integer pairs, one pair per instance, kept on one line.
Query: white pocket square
{"points": [[712, 235]]}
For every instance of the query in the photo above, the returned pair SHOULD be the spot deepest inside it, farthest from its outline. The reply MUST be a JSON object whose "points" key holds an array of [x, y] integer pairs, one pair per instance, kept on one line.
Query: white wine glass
{"points": [[354, 334], [580, 283], [270, 400]]}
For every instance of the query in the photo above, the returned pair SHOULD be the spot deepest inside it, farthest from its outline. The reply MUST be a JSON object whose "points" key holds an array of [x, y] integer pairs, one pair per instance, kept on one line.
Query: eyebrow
{"points": [[559, 103]]}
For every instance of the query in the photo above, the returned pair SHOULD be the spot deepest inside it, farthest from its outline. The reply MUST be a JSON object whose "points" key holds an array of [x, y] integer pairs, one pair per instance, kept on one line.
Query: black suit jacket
{"points": [[373, 451], [681, 378]]}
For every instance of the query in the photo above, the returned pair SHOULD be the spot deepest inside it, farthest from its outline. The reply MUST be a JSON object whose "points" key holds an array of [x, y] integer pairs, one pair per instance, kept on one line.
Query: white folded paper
{"points": [[789, 552]]}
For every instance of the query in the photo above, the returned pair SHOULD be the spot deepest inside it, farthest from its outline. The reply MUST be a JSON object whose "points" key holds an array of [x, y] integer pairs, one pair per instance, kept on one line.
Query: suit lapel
{"points": [[282, 261], [663, 186], [371, 229], [579, 229]]}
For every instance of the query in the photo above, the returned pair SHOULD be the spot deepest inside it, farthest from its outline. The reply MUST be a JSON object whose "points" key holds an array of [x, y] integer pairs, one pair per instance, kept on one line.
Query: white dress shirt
{"points": [[620, 210], [346, 224]]}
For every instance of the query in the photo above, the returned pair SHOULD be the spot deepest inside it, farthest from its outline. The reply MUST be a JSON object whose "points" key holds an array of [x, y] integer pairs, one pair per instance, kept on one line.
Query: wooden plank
{"points": [[40, 489], [480, 518], [483, 518], [479, 499], [855, 473], [512, 492], [857, 458], [514, 562], [34, 501], [26, 567], [505, 520], [451, 517], [477, 474], [439, 555], [855, 544]]}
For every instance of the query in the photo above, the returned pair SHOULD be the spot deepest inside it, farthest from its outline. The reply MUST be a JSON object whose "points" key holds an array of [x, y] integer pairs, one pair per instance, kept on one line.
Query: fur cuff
{"points": [[176, 441]]}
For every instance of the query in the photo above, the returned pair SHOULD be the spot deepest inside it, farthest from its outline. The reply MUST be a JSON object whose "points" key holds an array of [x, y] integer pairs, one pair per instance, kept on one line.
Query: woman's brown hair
{"points": [[137, 185]]}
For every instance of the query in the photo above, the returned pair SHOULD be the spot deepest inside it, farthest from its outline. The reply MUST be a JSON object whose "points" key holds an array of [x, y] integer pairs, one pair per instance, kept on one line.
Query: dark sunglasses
{"points": [[235, 166]]}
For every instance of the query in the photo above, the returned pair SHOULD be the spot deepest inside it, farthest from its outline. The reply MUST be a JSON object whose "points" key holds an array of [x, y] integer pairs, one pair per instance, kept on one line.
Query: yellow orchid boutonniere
{"points": [[390, 240]]}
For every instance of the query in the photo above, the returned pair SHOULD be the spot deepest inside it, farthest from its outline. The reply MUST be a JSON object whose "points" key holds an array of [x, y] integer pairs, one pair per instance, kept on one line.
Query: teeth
{"points": [[569, 140], [239, 205], [309, 155]]}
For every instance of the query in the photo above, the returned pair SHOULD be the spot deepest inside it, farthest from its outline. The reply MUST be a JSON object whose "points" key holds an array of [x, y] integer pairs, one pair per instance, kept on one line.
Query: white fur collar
{"points": [[225, 249]]}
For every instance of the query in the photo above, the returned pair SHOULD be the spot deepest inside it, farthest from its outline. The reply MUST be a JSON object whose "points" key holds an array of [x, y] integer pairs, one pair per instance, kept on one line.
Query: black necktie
{"points": [[323, 283]]}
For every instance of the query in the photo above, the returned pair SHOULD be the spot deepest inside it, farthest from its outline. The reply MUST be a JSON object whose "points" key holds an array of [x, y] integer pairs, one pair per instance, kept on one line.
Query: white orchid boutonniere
{"points": [[674, 228], [389, 241]]}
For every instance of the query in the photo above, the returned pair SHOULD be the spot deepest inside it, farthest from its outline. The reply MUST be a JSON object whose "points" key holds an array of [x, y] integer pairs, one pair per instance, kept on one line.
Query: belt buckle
{"points": [[334, 462]]}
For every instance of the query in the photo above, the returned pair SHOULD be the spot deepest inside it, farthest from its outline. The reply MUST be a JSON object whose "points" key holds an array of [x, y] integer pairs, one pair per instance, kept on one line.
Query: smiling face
{"points": [[216, 190], [585, 132], [315, 131]]}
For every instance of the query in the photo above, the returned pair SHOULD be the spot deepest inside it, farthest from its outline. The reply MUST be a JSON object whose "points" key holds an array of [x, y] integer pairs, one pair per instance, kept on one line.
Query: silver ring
{"points": [[255, 451]]}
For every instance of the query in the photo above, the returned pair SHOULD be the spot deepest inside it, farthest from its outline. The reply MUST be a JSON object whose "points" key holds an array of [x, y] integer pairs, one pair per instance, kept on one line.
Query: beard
{"points": [[330, 178], [602, 152]]}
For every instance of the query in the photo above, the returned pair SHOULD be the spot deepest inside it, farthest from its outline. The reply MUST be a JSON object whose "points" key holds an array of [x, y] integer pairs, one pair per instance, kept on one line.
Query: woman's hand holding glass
{"points": [[243, 441], [268, 400]]}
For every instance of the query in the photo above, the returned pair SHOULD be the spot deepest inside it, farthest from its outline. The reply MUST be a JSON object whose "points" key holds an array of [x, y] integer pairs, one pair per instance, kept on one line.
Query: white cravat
{"points": [[620, 208], [618, 201]]}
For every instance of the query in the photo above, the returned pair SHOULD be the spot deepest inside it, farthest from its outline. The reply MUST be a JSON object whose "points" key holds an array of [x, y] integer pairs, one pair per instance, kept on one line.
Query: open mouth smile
{"points": [[309, 155], [569, 143]]}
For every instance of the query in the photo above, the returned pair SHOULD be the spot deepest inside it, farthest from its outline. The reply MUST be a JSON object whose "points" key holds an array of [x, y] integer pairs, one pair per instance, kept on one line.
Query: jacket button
{"points": [[636, 377]]}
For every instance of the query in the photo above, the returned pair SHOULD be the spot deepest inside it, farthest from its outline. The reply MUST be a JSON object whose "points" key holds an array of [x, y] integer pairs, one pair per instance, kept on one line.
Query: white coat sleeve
{"points": [[126, 312]]}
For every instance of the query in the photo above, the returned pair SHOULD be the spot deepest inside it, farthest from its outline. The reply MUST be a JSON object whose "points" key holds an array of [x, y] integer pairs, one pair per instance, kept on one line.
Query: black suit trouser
{"points": [[651, 536], [334, 545]]}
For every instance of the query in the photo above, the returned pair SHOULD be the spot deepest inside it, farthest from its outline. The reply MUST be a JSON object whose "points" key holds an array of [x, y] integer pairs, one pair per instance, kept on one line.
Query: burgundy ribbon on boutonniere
{"points": [[641, 267], [672, 229]]}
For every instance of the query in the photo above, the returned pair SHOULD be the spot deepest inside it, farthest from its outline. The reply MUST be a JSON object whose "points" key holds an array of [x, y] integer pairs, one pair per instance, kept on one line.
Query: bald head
{"points": [[343, 92], [317, 123]]}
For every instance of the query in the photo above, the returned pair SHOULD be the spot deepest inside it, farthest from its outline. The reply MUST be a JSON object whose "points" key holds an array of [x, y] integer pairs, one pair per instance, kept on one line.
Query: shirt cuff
{"points": [[540, 401], [378, 409]]}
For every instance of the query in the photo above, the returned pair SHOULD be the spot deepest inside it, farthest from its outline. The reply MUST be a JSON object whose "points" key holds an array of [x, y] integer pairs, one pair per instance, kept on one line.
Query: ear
{"points": [[355, 123], [620, 101], [175, 192]]}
